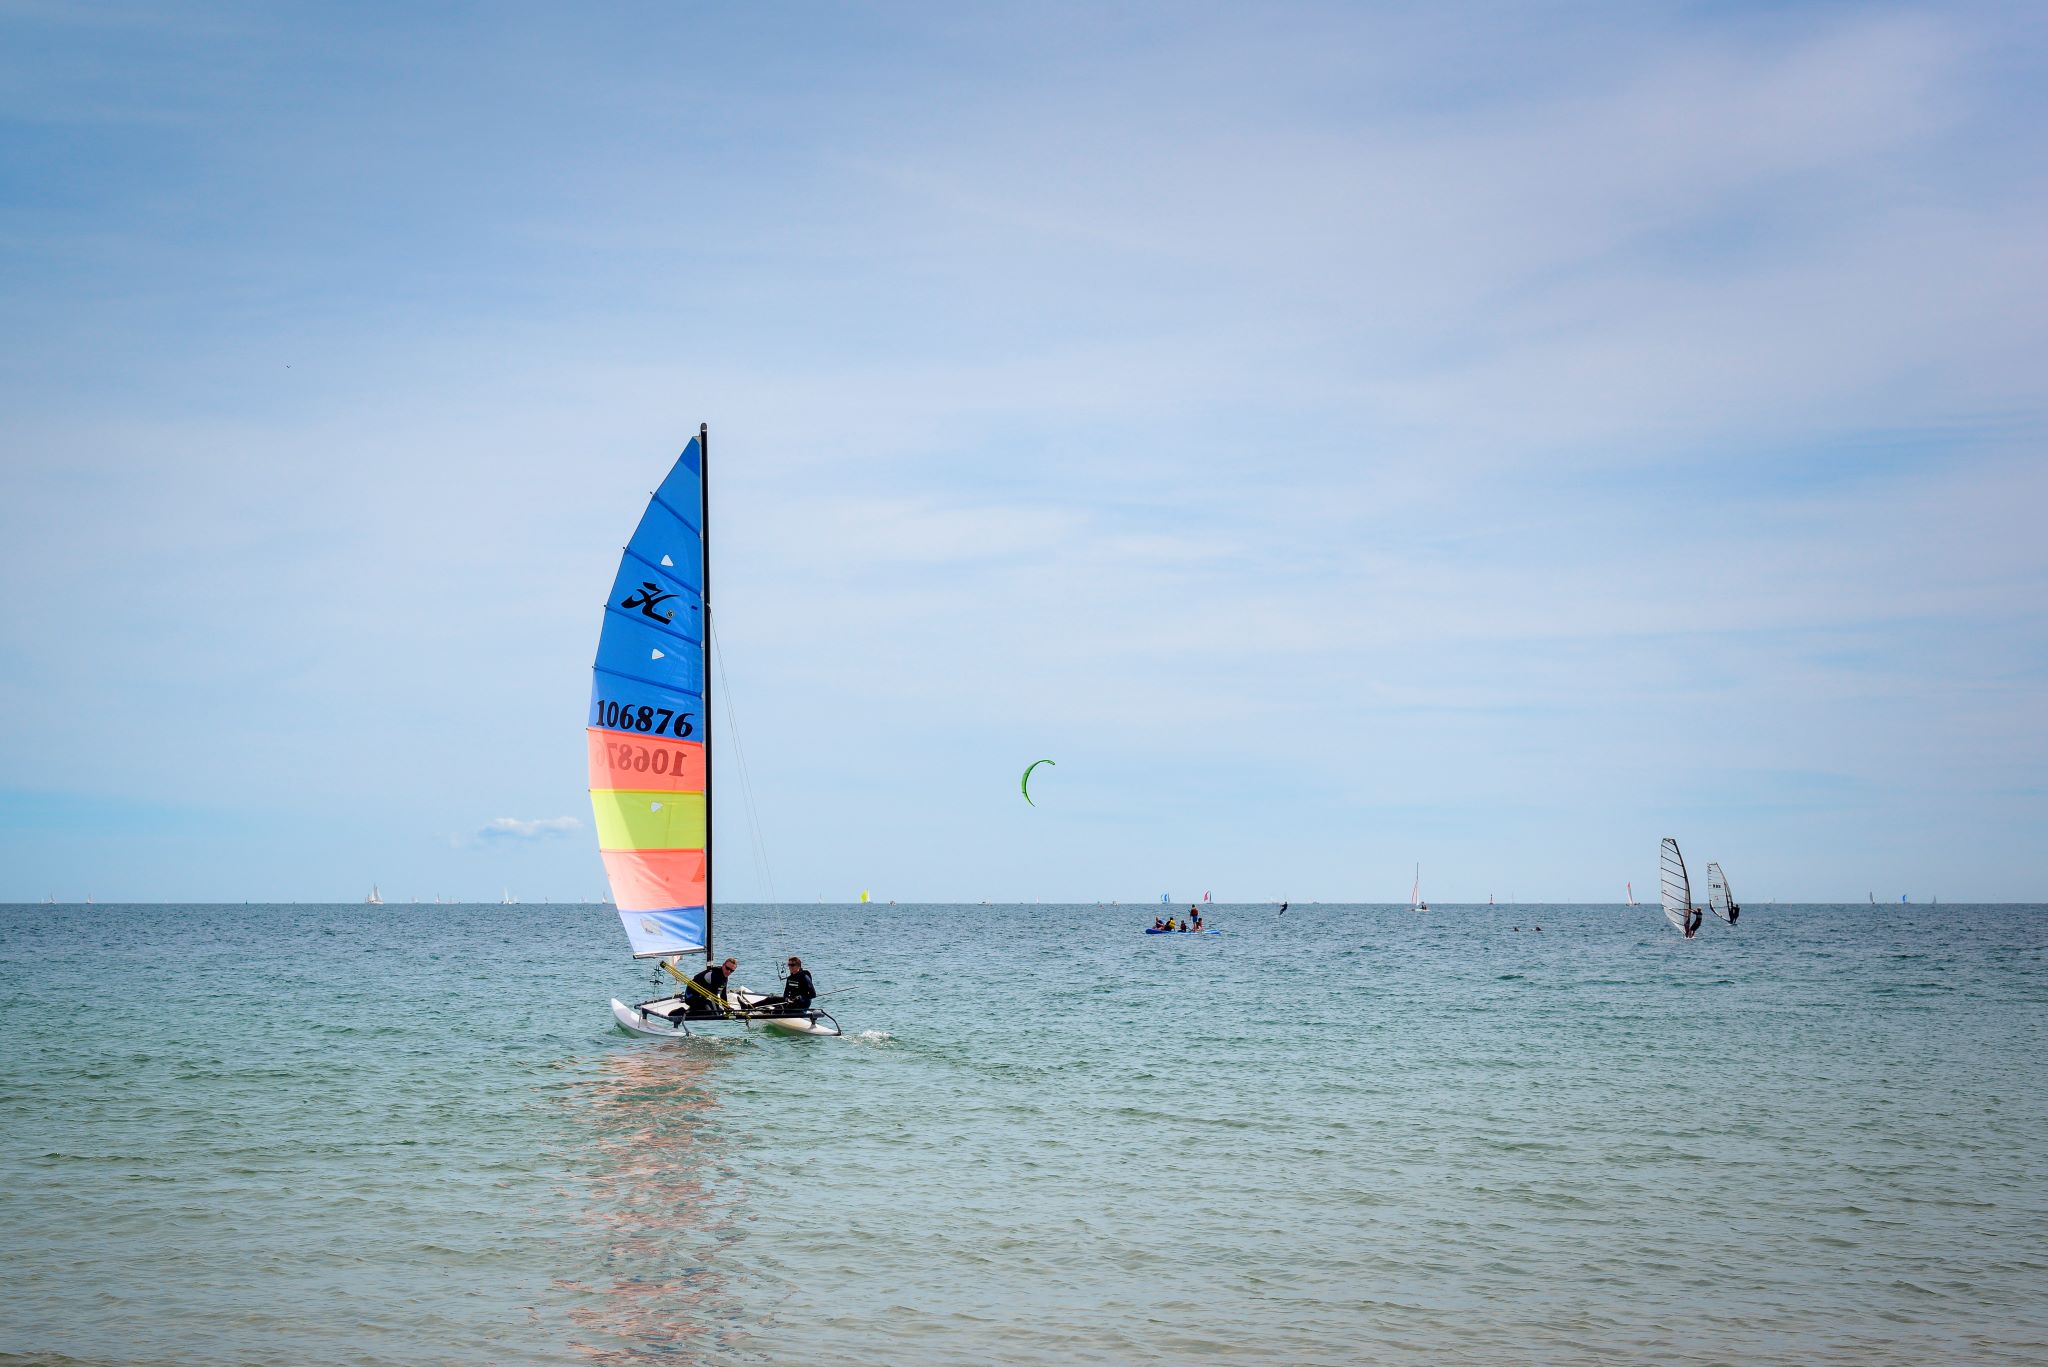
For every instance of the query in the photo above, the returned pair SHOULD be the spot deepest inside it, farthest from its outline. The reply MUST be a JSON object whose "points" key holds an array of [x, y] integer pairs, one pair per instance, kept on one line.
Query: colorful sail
{"points": [[648, 726], [1677, 887]]}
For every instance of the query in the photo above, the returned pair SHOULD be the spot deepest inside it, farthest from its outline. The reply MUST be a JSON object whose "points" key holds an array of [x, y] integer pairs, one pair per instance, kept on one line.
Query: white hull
{"points": [[634, 1021]]}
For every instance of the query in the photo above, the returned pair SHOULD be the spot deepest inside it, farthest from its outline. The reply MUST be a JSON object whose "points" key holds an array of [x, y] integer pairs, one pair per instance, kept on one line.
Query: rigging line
{"points": [[739, 753]]}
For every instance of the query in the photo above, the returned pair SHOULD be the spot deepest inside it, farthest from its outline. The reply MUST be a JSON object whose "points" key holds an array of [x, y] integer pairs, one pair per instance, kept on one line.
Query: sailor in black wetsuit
{"points": [[1692, 922], [797, 992], [707, 990], [1733, 912]]}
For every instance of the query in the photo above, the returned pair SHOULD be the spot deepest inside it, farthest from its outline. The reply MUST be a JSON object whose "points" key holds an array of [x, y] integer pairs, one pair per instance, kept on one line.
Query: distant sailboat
{"points": [[1873, 898], [1415, 902], [863, 897], [1205, 897], [1631, 894], [506, 900], [375, 899]]}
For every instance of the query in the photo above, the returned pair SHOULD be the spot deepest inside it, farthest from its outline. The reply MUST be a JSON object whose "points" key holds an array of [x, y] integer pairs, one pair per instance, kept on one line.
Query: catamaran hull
{"points": [[798, 1025], [634, 1021], [637, 1022]]}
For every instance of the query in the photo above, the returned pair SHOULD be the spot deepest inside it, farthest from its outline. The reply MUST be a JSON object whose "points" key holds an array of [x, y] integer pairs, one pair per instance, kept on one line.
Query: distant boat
{"points": [[507, 900], [1631, 894], [1415, 902], [375, 899], [1873, 898], [863, 897], [1165, 897], [1205, 897], [1489, 899]]}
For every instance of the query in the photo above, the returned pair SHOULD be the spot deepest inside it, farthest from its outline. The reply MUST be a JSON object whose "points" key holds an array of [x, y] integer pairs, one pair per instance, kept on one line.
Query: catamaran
{"points": [[1415, 902], [1677, 888], [1718, 896], [649, 741]]}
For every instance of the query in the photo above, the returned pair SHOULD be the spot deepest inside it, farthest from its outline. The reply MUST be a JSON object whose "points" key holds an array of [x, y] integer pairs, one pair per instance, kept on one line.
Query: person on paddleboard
{"points": [[707, 989], [797, 992]]}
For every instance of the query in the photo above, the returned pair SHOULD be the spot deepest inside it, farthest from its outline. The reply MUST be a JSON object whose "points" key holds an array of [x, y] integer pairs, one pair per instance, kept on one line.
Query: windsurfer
{"points": [[707, 990], [1693, 917], [797, 992], [1733, 912]]}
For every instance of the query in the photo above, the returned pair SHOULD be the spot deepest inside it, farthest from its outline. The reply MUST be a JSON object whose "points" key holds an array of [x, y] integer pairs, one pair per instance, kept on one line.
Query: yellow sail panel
{"points": [[640, 819]]}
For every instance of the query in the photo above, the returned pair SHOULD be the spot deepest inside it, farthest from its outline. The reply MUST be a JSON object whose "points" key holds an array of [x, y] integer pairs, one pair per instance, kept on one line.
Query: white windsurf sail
{"points": [[1677, 887], [1718, 897]]}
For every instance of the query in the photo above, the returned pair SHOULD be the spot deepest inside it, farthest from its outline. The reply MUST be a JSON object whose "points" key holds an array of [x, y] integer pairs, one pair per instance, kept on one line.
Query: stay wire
{"points": [[739, 752]]}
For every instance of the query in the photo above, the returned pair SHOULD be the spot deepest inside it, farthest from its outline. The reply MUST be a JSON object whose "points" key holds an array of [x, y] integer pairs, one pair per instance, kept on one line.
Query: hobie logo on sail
{"points": [[647, 600]]}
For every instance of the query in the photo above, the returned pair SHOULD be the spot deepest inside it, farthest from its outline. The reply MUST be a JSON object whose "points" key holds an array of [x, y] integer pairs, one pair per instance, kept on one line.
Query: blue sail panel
{"points": [[656, 933]]}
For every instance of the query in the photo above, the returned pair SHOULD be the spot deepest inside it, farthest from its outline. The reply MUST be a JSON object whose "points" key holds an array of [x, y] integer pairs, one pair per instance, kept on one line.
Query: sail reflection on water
{"points": [[651, 1184]]}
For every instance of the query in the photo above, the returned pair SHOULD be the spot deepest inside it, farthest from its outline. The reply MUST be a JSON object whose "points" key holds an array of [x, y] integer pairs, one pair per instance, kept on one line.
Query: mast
{"points": [[704, 543]]}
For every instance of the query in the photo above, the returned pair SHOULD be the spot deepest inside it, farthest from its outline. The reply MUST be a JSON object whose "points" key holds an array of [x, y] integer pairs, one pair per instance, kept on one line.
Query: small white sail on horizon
{"points": [[375, 899]]}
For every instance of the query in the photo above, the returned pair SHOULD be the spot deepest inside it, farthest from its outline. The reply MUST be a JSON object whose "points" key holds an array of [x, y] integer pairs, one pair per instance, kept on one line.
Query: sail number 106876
{"points": [[655, 721]]}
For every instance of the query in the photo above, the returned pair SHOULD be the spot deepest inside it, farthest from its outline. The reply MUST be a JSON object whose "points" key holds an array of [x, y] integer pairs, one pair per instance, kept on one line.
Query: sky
{"points": [[1487, 437]]}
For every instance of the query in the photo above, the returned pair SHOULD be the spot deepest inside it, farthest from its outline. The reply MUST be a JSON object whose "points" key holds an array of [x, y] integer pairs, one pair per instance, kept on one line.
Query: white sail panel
{"points": [[1677, 887]]}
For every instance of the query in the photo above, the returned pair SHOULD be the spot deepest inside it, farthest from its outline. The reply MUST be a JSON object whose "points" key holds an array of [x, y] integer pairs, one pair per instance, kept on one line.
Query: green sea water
{"points": [[405, 1134]]}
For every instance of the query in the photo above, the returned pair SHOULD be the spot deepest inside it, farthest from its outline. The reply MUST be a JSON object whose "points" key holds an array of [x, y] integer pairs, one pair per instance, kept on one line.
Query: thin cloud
{"points": [[539, 828]]}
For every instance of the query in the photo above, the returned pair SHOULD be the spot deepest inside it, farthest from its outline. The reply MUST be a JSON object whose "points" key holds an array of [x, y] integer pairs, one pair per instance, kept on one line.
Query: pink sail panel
{"points": [[654, 880], [620, 759]]}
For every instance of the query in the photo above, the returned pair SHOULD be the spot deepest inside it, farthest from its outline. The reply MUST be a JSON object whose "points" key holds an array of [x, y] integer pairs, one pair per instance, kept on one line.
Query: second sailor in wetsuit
{"points": [[1733, 912], [707, 990], [797, 992]]}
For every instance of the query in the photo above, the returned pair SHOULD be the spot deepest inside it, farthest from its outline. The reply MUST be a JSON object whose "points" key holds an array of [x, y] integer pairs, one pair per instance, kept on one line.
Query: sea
{"points": [[1343, 1134]]}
